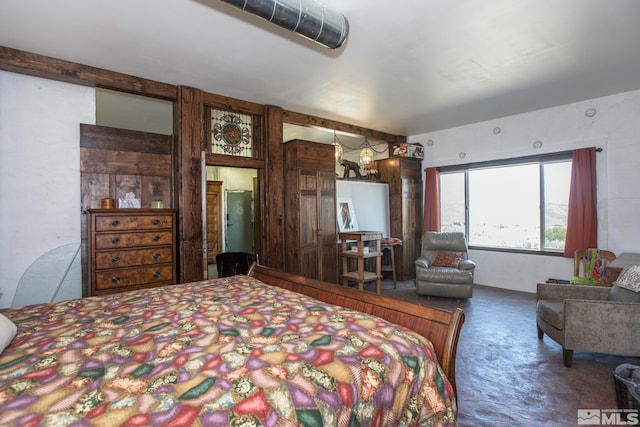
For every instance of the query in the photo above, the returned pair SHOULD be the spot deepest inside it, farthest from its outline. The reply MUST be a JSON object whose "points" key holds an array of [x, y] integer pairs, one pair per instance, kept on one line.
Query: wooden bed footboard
{"points": [[441, 327]]}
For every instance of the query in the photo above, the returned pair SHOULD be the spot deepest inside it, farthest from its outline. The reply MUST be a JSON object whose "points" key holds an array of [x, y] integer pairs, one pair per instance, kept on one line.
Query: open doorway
{"points": [[239, 221], [231, 212]]}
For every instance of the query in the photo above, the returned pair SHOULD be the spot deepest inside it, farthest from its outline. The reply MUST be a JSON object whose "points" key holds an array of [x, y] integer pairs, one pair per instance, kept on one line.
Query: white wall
{"points": [[370, 203], [615, 127], [39, 171]]}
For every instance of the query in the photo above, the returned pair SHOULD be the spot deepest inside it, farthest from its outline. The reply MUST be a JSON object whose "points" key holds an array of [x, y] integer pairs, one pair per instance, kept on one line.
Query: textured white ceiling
{"points": [[407, 67]]}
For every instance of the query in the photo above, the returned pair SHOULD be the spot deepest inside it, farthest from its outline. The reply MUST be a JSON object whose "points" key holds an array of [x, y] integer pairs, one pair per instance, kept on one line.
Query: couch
{"points": [[590, 318], [444, 268]]}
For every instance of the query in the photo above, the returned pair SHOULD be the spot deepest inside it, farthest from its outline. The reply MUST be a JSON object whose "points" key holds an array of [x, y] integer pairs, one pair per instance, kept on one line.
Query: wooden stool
{"points": [[388, 244], [390, 267]]}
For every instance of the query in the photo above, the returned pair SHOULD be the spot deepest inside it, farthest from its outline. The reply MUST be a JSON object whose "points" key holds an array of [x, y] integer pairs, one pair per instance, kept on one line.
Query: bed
{"points": [[268, 348]]}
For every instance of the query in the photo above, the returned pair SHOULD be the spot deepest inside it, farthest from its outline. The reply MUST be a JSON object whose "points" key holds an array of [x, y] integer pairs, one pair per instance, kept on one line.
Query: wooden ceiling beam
{"points": [[57, 69], [307, 120]]}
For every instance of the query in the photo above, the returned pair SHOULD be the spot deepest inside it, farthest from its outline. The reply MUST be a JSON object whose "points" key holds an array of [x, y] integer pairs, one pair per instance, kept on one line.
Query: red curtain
{"points": [[582, 218], [431, 216]]}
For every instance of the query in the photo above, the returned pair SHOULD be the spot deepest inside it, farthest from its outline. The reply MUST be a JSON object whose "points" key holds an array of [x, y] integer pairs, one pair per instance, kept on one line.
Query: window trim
{"points": [[540, 159]]}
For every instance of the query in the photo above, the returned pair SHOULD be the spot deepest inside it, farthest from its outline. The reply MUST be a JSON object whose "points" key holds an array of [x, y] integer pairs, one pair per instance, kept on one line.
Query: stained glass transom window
{"points": [[231, 134]]}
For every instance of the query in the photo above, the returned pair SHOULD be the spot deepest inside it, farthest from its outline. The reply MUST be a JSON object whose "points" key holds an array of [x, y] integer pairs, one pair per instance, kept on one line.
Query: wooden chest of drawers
{"points": [[131, 249]]}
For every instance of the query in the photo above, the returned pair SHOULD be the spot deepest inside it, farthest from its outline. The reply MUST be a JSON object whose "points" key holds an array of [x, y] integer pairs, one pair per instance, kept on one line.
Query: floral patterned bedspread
{"points": [[230, 351]]}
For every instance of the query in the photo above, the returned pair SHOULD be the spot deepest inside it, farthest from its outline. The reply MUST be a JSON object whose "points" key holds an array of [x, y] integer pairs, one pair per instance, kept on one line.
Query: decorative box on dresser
{"points": [[131, 249], [404, 176], [310, 210]]}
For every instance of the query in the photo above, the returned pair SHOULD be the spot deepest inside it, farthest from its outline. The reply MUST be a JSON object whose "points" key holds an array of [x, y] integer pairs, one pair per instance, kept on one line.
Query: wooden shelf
{"points": [[367, 276], [361, 239], [354, 254]]}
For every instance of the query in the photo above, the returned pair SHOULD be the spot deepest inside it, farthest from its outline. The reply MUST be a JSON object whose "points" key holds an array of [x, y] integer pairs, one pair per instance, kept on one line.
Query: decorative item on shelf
{"points": [[351, 166], [157, 204], [107, 203], [363, 167], [129, 201], [374, 175], [414, 150]]}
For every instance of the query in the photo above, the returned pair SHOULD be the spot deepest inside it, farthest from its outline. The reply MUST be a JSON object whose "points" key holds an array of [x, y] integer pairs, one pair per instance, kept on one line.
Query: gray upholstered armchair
{"points": [[444, 268], [591, 318]]}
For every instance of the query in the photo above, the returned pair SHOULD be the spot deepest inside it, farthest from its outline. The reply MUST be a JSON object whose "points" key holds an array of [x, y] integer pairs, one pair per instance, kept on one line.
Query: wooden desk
{"points": [[613, 269]]}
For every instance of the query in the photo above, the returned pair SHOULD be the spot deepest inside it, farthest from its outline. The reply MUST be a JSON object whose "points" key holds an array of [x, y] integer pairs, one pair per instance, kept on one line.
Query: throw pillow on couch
{"points": [[627, 287]]}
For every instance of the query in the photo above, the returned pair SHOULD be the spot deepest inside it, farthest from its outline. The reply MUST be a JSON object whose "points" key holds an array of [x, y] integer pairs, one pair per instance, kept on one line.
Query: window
{"points": [[516, 204], [453, 212], [231, 133]]}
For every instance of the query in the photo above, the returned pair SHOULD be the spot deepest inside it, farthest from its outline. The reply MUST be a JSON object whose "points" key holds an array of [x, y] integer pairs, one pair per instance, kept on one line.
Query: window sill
{"points": [[517, 250]]}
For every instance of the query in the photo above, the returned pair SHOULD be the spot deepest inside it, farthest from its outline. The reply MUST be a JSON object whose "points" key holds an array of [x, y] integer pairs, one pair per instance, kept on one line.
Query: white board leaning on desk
{"points": [[362, 205]]}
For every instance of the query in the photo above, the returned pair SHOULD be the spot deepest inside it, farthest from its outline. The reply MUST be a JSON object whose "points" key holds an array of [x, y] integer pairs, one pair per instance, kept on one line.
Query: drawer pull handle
{"points": [[156, 256], [115, 259], [115, 223], [155, 222], [115, 279], [156, 274], [115, 240], [156, 238]]}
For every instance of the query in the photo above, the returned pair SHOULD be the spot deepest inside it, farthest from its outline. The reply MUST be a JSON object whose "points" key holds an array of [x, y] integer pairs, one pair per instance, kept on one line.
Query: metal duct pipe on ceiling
{"points": [[305, 17]]}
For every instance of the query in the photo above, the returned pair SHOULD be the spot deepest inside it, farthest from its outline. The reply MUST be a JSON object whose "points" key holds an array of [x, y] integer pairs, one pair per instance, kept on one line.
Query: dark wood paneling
{"points": [[99, 160], [310, 210], [56, 69], [188, 126], [93, 187], [128, 184], [155, 188], [232, 104], [234, 161], [124, 140], [404, 176], [274, 190]]}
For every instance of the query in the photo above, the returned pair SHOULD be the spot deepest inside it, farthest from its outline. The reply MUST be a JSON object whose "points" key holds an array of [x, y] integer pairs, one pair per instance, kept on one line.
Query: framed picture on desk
{"points": [[346, 216]]}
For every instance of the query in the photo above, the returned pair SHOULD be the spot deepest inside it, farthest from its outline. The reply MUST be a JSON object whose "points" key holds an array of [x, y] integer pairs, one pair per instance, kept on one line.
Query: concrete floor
{"points": [[505, 375]]}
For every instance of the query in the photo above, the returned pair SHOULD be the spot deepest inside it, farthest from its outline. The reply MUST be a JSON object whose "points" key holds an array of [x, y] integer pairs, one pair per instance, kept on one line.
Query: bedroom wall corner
{"points": [[39, 173]]}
